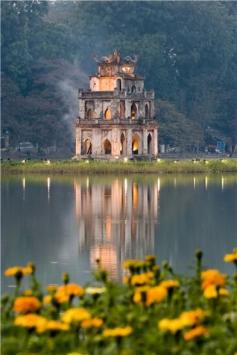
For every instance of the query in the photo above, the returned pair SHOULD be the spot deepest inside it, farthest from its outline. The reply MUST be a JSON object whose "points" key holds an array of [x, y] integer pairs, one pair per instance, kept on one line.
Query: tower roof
{"points": [[115, 64]]}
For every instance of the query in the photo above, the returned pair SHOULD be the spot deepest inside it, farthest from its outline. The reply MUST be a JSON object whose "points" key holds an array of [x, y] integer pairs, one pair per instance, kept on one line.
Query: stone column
{"points": [[115, 141], [155, 142], [129, 142], [144, 138], [78, 141], [96, 142]]}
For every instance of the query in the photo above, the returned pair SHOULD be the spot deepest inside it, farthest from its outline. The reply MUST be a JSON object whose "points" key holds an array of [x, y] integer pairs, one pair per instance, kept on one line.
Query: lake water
{"points": [[65, 223]]}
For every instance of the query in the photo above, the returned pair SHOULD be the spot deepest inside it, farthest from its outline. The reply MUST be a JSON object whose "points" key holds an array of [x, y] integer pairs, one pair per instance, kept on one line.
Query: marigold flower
{"points": [[171, 325], [52, 288], [95, 290], [150, 258], [190, 318], [26, 304], [31, 321], [156, 295], [229, 258], [75, 315], [117, 332], [139, 291], [53, 325], [92, 323], [213, 292], [212, 277], [18, 270], [47, 299], [223, 291], [133, 263], [187, 318], [142, 279], [195, 332], [27, 292], [64, 292], [170, 284]]}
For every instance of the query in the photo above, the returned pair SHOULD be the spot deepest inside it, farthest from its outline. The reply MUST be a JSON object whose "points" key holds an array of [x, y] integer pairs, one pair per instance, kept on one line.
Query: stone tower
{"points": [[116, 115]]}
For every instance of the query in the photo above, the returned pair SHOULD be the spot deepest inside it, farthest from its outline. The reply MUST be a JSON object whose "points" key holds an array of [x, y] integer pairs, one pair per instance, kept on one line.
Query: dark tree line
{"points": [[187, 52]]}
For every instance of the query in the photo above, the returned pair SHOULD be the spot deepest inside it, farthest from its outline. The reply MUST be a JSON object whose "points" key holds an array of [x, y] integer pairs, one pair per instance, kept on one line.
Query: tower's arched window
{"points": [[135, 144], [119, 84], [133, 89], [108, 114], [107, 147], [133, 111], [87, 147], [147, 111], [149, 144], [89, 114]]}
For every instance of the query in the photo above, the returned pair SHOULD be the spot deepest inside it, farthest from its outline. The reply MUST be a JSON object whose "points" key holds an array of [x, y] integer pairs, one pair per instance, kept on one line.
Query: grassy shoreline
{"points": [[119, 167]]}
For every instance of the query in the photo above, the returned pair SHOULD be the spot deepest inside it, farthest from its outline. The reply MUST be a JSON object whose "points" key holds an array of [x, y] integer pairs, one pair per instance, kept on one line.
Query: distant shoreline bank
{"points": [[159, 166]]}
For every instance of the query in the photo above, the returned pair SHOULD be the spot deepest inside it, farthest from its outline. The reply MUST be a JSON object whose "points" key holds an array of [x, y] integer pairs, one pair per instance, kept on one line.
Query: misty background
{"points": [[187, 52]]}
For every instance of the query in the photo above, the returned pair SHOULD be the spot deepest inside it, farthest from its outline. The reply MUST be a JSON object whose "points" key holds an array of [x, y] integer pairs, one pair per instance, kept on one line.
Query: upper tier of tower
{"points": [[116, 73]]}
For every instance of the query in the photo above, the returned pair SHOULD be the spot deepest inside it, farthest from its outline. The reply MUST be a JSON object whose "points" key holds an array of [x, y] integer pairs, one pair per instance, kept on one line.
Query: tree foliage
{"points": [[187, 52]]}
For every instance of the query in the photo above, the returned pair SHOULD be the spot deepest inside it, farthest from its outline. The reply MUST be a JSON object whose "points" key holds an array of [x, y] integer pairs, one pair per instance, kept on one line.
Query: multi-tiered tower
{"points": [[116, 115]]}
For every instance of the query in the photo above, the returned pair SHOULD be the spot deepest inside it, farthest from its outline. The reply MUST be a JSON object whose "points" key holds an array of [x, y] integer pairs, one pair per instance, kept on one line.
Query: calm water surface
{"points": [[64, 224]]}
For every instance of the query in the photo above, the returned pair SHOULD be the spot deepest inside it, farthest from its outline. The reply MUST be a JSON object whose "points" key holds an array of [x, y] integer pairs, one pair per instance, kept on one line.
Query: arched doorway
{"points": [[108, 114], [135, 144], [122, 144], [146, 111], [107, 147], [119, 84], [87, 147], [134, 111], [149, 144], [89, 114]]}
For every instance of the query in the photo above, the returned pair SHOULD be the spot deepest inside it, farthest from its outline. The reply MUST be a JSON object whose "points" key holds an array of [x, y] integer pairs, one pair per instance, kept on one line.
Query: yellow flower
{"points": [[95, 290], [156, 295], [142, 279], [75, 315], [26, 304], [170, 284], [213, 292], [210, 292], [195, 332], [212, 277], [186, 319], [18, 270], [171, 325], [92, 323], [150, 258], [54, 325], [31, 321], [52, 288], [117, 332], [47, 299], [27, 293], [229, 258], [223, 291], [190, 318], [127, 264], [64, 292], [139, 291]]}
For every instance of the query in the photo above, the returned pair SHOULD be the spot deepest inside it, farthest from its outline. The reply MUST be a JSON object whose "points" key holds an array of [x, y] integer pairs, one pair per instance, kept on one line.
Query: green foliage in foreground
{"points": [[154, 312], [120, 167]]}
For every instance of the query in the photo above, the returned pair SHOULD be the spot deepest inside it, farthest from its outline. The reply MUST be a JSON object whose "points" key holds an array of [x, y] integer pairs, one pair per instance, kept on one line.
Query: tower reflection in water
{"points": [[116, 220]]}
